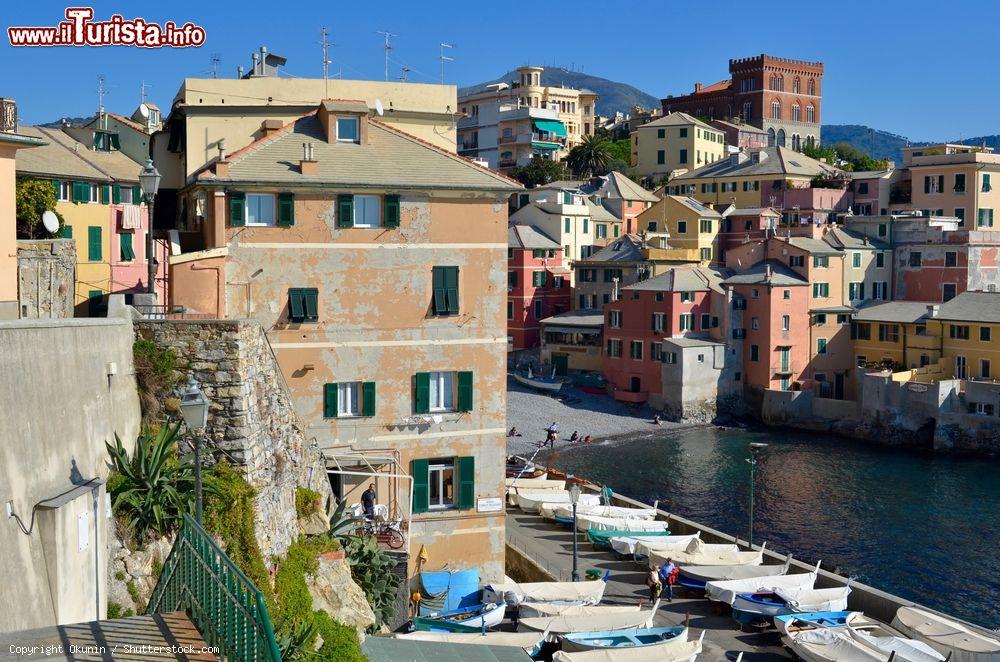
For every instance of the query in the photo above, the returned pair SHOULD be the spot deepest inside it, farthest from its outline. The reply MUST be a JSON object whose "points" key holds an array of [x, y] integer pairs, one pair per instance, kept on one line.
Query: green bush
{"points": [[340, 642], [371, 568], [33, 198], [156, 373], [115, 610], [307, 502]]}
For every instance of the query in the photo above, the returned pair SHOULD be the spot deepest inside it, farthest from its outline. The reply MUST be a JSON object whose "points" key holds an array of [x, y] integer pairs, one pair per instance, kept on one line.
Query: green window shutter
{"points": [[286, 209], [116, 194], [566, 225], [586, 225], [127, 253], [136, 195], [451, 287], [94, 300], [368, 398], [115, 141], [66, 231], [329, 401], [97, 139], [57, 185], [420, 471], [105, 194], [465, 468], [391, 214], [440, 296], [296, 305], [310, 299], [616, 230], [465, 391], [94, 243], [237, 209], [81, 192], [422, 393], [345, 210]]}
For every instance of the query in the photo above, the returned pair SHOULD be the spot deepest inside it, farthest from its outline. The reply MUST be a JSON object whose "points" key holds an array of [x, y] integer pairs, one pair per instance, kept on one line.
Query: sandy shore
{"points": [[600, 416]]}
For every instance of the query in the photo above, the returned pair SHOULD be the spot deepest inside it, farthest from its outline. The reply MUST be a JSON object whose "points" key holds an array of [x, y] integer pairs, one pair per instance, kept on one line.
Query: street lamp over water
{"points": [[755, 447], [194, 409], [574, 498]]}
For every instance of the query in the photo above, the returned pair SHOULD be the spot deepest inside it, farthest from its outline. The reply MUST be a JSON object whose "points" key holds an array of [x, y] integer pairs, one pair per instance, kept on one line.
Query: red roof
{"points": [[717, 87]]}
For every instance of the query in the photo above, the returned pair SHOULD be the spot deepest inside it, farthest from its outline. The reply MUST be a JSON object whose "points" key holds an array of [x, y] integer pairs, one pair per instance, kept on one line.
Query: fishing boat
{"points": [[566, 511], [578, 593], [648, 638], [517, 486], [482, 616], [677, 649], [609, 618], [532, 609], [963, 642], [700, 553], [756, 607], [546, 501], [727, 590], [694, 577], [849, 636], [591, 382], [625, 546], [530, 642], [549, 384], [586, 522], [600, 538]]}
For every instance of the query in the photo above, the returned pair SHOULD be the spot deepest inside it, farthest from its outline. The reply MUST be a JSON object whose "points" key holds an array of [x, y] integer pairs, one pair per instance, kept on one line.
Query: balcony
{"points": [[8, 115], [526, 112]]}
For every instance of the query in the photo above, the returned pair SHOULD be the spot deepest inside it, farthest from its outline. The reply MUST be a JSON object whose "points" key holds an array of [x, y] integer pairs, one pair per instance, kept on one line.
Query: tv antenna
{"points": [[216, 59], [402, 75], [325, 42], [387, 47], [142, 91], [101, 91], [445, 58]]}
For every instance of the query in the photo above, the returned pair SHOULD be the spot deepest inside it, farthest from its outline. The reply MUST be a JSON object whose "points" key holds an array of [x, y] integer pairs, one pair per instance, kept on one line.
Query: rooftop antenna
{"points": [[142, 91], [387, 47], [405, 70], [325, 42], [101, 91], [445, 58], [216, 59]]}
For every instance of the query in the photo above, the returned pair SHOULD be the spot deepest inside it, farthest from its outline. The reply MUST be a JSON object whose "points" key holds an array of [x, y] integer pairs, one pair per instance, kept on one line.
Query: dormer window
{"points": [[347, 130], [105, 142]]}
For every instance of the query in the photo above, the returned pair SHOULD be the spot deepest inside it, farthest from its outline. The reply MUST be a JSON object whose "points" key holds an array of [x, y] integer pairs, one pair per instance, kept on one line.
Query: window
{"points": [[861, 331], [659, 296], [655, 351], [960, 182], [984, 408], [601, 231], [511, 280], [739, 303], [661, 157], [365, 212], [687, 297], [811, 114], [958, 331], [661, 133], [984, 368], [615, 319], [588, 275], [93, 193], [796, 260], [984, 333], [775, 110], [915, 258], [586, 226], [682, 133], [704, 225], [538, 278], [786, 294], [706, 253], [888, 333], [682, 227], [786, 322], [948, 291], [538, 310], [950, 258], [821, 261], [557, 282], [754, 293], [440, 485], [880, 290], [754, 353], [986, 183], [863, 188], [796, 113], [441, 392], [610, 275], [303, 305], [821, 290], [259, 209], [686, 322], [126, 252], [879, 260], [94, 241], [821, 346], [510, 310], [348, 399], [347, 130], [651, 226], [843, 318], [856, 291], [960, 215], [444, 281], [754, 324], [660, 322], [985, 218], [683, 156], [670, 357], [961, 369], [856, 259], [635, 350], [614, 348]]}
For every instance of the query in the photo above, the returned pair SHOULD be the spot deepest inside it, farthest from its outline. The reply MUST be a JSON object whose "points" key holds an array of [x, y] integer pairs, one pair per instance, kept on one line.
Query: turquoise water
{"points": [[925, 527]]}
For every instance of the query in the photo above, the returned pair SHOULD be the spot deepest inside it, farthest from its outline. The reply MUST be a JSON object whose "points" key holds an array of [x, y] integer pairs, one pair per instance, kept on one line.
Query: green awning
{"points": [[552, 126]]}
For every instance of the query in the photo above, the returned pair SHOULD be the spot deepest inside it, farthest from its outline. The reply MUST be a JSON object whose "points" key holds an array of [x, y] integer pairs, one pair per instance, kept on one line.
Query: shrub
{"points": [[115, 610], [33, 198], [307, 502], [340, 642], [156, 375], [371, 568]]}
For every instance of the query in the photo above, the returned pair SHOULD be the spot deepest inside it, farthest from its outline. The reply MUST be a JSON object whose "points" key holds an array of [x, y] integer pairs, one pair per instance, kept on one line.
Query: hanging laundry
{"points": [[131, 217]]}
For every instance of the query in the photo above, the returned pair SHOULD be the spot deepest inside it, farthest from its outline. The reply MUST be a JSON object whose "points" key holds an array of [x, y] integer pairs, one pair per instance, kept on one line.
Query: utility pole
{"points": [[325, 42], [755, 447], [216, 59], [445, 58], [387, 47], [402, 75]]}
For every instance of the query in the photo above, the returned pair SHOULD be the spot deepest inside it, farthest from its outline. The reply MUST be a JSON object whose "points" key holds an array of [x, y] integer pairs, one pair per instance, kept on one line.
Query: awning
{"points": [[584, 330], [544, 145], [552, 126]]}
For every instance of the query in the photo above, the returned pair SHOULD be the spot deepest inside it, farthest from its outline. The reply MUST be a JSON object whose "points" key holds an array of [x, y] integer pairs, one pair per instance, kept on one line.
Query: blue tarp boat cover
{"points": [[461, 586]]}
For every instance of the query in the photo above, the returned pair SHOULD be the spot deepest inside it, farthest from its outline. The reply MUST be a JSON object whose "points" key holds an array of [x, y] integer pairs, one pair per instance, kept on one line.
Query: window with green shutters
{"points": [[985, 218], [986, 183], [136, 195], [821, 346], [443, 483], [367, 398], [329, 401], [94, 243], [126, 252], [105, 194], [237, 209], [345, 210], [116, 194], [303, 305], [586, 225], [465, 391], [445, 286], [566, 225], [538, 278], [422, 393], [617, 230], [419, 470], [66, 231], [81, 192], [286, 210], [391, 211], [465, 468]]}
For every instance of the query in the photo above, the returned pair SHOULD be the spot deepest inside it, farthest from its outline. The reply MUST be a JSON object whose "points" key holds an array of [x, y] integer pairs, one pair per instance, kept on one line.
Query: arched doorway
{"points": [[770, 137], [781, 138]]}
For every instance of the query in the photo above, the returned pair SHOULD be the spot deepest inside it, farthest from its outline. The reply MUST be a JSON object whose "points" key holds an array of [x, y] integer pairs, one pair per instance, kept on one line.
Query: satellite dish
{"points": [[378, 107], [144, 110], [50, 221]]}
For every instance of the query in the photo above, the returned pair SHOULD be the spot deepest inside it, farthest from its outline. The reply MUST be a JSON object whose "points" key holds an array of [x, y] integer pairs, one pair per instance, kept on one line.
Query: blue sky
{"points": [[919, 68]]}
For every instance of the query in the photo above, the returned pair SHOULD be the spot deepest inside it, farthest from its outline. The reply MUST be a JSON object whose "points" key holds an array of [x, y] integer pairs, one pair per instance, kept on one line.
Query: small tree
{"points": [[34, 197], [591, 157], [539, 172]]}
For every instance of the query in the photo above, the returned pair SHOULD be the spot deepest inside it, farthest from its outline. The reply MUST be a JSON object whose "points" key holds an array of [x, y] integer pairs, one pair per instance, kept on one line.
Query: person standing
{"points": [[668, 574], [368, 500], [653, 582]]}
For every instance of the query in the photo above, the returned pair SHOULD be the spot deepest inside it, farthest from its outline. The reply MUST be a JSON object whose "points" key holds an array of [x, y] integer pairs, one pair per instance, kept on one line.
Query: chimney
{"points": [[256, 64], [767, 271], [222, 165], [239, 72], [270, 127], [308, 164], [697, 87], [932, 310]]}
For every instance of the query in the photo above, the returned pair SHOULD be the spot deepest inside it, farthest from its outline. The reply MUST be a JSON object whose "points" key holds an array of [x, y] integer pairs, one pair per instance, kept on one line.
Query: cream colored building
{"points": [[684, 223], [675, 143], [563, 213], [507, 124], [955, 180]]}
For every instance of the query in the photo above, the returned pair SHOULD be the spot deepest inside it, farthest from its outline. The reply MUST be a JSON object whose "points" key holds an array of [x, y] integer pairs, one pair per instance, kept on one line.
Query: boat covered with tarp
{"points": [[627, 545], [752, 607], [565, 511], [964, 642], [606, 618], [530, 642], [677, 649], [603, 538], [695, 576], [698, 552], [547, 500], [514, 593], [448, 590], [631, 524], [727, 590], [849, 636]]}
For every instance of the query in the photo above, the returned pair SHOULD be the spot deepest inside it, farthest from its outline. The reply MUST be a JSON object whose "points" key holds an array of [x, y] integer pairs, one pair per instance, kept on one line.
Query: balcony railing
{"points": [[8, 115]]}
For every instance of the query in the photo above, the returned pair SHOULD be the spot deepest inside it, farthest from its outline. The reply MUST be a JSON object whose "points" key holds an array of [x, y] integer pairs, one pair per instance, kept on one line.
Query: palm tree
{"points": [[590, 157]]}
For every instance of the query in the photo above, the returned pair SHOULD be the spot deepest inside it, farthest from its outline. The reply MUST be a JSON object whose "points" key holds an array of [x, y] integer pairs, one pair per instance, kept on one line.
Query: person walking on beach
{"points": [[668, 574], [368, 499], [553, 431], [653, 582]]}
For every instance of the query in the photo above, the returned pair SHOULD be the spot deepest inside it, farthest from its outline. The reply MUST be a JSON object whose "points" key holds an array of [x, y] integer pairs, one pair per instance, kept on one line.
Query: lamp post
{"points": [[194, 409], [149, 181], [755, 447], [574, 498]]}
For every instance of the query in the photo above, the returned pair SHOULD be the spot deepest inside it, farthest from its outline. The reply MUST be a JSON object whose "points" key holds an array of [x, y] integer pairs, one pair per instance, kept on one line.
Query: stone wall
{"points": [[251, 420], [46, 277]]}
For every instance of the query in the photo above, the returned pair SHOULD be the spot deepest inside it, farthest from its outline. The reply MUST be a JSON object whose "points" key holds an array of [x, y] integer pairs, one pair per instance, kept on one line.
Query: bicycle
{"points": [[386, 532]]}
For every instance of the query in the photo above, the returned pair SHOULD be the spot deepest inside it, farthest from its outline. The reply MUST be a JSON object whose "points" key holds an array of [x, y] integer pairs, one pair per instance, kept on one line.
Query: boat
{"points": [[755, 607], [594, 617], [591, 382], [625, 546], [965, 643], [600, 538], [578, 593], [482, 616], [649, 638], [678, 649], [586, 522], [530, 642], [850, 636], [549, 384], [566, 511], [700, 553], [534, 502], [727, 590], [525, 472], [532, 609], [694, 577]]}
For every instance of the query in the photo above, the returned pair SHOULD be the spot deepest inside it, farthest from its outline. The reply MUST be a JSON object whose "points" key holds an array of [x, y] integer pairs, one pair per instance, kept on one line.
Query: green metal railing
{"points": [[224, 605]]}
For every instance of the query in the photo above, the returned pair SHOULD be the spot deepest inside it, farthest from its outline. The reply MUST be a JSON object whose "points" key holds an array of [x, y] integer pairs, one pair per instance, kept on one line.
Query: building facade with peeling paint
{"points": [[376, 261]]}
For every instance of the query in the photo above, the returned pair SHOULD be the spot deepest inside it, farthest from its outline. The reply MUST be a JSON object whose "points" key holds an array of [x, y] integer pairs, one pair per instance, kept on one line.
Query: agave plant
{"points": [[293, 641], [341, 525], [155, 487], [371, 568]]}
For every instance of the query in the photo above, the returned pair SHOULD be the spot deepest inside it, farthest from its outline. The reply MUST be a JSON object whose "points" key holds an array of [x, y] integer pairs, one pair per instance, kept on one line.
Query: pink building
{"points": [[129, 225], [814, 205], [537, 284]]}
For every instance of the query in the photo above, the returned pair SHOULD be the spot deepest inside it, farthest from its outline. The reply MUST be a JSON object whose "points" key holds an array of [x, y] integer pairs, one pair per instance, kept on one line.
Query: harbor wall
{"points": [[522, 568]]}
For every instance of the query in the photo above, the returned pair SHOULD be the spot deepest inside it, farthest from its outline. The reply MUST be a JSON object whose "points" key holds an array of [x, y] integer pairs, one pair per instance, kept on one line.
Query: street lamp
{"points": [[755, 447], [574, 498], [149, 180], [194, 409]]}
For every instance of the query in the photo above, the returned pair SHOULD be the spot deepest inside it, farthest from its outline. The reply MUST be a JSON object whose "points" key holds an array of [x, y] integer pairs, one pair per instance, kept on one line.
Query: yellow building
{"points": [[955, 180], [675, 143], [686, 224], [896, 333], [969, 328]]}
